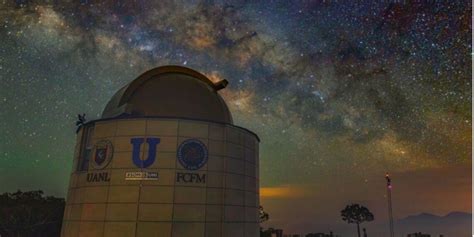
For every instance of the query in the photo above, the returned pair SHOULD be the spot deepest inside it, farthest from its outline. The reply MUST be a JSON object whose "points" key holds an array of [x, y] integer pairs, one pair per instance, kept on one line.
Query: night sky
{"points": [[339, 93]]}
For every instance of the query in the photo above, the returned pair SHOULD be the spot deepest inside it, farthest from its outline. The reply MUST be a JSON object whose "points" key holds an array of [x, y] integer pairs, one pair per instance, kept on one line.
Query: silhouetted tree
{"points": [[357, 214], [30, 214], [270, 232], [263, 216]]}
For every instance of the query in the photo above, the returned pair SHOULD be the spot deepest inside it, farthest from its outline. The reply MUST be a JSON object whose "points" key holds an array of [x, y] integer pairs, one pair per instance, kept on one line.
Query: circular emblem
{"points": [[103, 151], [192, 154]]}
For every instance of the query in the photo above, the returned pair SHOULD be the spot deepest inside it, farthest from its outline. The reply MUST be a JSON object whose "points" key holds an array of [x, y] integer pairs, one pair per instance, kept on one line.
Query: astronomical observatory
{"points": [[164, 160]]}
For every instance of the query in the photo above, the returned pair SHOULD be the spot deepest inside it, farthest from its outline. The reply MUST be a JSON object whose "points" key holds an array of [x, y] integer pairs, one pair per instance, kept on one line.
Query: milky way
{"points": [[330, 88]]}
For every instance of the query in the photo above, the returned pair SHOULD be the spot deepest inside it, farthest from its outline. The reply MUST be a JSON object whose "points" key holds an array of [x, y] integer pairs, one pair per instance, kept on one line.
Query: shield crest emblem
{"points": [[103, 151], [100, 155]]}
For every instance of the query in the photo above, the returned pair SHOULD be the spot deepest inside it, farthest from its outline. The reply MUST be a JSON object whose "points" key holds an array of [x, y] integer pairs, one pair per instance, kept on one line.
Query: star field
{"points": [[336, 91]]}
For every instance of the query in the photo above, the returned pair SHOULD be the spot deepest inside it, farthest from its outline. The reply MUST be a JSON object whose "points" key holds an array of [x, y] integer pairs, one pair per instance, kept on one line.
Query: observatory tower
{"points": [[164, 160]]}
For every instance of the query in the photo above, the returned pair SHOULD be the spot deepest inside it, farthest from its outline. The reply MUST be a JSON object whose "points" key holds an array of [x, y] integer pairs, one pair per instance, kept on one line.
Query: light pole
{"points": [[389, 199]]}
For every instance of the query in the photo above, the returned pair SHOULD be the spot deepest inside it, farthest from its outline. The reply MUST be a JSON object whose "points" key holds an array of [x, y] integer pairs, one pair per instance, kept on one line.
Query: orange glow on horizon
{"points": [[281, 192]]}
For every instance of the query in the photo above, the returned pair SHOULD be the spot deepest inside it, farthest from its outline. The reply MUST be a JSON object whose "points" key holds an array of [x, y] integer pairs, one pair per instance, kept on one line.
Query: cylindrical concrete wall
{"points": [[144, 177]]}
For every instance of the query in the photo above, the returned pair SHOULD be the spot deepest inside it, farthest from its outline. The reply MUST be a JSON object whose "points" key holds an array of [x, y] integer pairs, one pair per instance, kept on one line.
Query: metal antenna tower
{"points": [[389, 199]]}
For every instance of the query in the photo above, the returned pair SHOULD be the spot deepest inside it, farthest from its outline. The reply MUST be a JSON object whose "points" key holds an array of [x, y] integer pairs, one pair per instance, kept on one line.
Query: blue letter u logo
{"points": [[137, 142]]}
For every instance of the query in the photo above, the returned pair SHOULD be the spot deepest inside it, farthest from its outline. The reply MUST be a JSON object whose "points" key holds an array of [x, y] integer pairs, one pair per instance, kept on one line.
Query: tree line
{"points": [[30, 214]]}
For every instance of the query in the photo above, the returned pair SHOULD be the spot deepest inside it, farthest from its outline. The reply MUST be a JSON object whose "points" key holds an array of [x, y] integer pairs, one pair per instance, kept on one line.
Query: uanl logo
{"points": [[152, 144], [101, 157], [192, 155], [143, 163]]}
